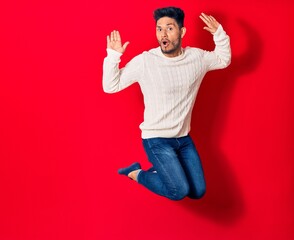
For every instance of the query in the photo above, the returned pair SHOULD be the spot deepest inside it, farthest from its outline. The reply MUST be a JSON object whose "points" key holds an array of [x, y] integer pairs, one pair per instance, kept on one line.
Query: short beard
{"points": [[176, 45]]}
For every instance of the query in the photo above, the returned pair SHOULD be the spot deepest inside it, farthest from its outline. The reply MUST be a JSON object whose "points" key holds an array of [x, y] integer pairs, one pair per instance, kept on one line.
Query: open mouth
{"points": [[165, 43]]}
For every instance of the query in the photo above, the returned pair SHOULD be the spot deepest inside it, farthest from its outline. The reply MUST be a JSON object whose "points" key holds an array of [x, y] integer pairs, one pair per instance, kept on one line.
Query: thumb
{"points": [[125, 45], [207, 29]]}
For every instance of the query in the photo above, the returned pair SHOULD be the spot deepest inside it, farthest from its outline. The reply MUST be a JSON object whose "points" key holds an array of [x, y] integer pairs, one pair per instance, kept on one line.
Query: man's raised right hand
{"points": [[114, 42]]}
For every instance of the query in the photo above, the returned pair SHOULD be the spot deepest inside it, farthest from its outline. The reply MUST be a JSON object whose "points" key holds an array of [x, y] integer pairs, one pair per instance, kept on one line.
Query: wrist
{"points": [[114, 53]]}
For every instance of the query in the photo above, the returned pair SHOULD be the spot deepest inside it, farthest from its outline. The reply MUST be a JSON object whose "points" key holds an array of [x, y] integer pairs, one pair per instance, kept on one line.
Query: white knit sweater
{"points": [[169, 85]]}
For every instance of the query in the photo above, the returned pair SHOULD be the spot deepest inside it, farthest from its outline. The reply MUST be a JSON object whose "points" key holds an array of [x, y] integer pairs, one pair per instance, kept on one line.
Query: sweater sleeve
{"points": [[115, 79], [221, 56]]}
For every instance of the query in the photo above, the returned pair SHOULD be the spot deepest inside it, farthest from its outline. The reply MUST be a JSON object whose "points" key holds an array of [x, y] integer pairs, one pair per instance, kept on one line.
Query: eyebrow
{"points": [[166, 24]]}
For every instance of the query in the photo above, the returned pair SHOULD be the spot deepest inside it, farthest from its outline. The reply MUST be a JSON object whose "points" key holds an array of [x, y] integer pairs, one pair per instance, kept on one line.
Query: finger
{"points": [[108, 42], [125, 45], [112, 36], [207, 29], [209, 20], [204, 19], [204, 16], [118, 38], [212, 18], [214, 21]]}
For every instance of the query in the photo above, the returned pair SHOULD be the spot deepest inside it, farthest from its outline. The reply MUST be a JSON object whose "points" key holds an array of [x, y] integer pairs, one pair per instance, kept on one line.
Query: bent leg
{"points": [[192, 166], [169, 180]]}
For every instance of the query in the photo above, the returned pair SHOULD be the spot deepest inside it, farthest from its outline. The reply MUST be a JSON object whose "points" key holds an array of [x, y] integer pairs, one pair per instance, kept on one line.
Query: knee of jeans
{"points": [[179, 192], [198, 194]]}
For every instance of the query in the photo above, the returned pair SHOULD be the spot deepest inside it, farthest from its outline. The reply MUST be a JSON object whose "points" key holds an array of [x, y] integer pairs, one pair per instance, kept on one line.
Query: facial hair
{"points": [[175, 46]]}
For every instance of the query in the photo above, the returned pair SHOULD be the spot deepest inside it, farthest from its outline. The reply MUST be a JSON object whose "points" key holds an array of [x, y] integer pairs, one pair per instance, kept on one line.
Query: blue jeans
{"points": [[177, 171]]}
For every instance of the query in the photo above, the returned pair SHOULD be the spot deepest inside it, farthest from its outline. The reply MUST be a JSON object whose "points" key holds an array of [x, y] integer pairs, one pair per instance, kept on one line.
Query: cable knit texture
{"points": [[169, 85]]}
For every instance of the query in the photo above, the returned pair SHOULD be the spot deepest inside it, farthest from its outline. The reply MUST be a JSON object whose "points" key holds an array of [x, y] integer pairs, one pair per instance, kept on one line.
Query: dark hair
{"points": [[171, 12]]}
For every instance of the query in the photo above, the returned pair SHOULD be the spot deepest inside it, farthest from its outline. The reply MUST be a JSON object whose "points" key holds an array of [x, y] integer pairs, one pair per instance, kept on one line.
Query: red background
{"points": [[62, 138]]}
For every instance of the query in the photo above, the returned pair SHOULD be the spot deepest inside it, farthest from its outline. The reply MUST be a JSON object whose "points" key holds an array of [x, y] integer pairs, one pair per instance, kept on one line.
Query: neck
{"points": [[175, 53]]}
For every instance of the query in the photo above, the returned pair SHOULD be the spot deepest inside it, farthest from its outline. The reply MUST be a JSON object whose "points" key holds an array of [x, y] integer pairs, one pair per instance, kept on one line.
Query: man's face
{"points": [[169, 36]]}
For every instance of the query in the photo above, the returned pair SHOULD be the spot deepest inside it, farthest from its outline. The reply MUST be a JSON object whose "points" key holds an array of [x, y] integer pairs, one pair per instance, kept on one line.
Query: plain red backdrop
{"points": [[62, 138]]}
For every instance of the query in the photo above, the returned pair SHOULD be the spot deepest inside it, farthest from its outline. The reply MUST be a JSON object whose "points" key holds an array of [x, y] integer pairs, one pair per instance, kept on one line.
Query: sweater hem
{"points": [[156, 134]]}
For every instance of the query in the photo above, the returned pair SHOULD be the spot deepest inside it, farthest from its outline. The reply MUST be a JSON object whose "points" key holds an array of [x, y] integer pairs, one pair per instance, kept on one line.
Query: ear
{"points": [[183, 32]]}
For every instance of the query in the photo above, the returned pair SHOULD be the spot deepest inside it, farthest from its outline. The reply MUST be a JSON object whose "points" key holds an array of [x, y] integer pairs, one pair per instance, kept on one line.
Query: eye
{"points": [[159, 29], [170, 29]]}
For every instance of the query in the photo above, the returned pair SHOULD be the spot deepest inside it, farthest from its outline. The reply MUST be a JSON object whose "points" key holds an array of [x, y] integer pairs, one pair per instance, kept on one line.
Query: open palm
{"points": [[114, 42], [211, 23]]}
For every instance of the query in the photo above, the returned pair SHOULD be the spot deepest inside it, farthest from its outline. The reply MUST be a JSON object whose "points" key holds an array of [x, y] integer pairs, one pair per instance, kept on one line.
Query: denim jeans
{"points": [[177, 171]]}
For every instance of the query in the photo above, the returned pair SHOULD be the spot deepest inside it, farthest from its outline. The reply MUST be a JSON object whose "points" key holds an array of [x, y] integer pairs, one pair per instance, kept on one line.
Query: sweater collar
{"points": [[177, 58]]}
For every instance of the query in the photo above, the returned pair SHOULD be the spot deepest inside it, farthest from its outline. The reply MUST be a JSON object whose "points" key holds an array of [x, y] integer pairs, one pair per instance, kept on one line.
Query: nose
{"points": [[163, 33]]}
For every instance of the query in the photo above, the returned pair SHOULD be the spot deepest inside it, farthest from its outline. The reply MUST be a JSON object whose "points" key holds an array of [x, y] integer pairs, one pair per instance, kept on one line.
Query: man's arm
{"points": [[115, 79], [221, 56]]}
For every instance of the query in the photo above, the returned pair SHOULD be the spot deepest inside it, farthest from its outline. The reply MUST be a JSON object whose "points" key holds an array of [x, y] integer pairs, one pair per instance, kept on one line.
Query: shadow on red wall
{"points": [[223, 201]]}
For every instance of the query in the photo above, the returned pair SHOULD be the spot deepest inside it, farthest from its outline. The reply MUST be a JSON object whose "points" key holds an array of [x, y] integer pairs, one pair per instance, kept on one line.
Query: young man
{"points": [[169, 77]]}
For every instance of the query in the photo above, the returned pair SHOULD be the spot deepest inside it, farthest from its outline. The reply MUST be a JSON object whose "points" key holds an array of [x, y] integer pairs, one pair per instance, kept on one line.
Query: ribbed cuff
{"points": [[113, 55], [219, 33]]}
